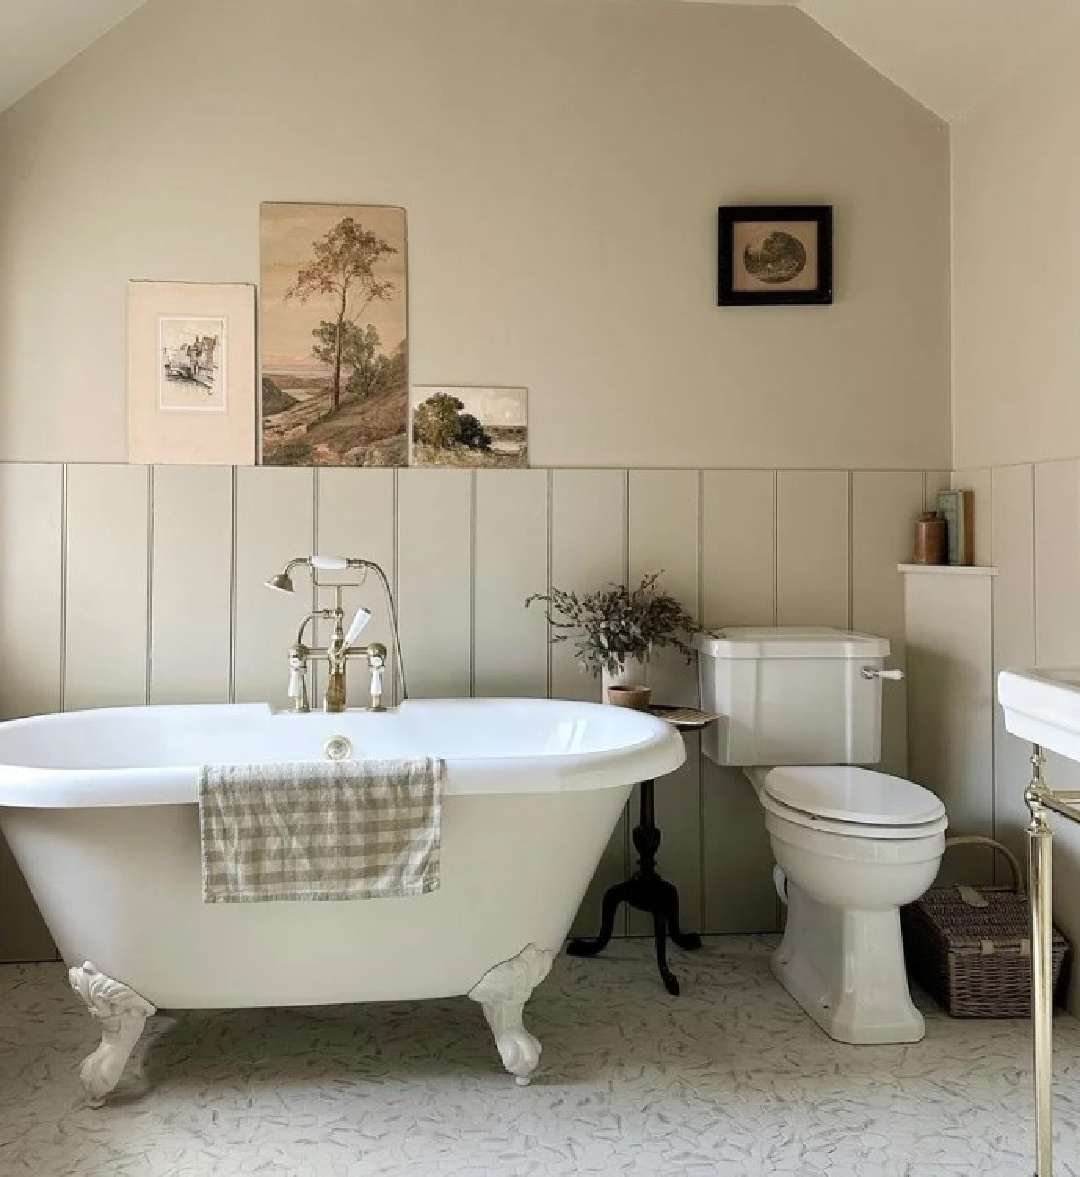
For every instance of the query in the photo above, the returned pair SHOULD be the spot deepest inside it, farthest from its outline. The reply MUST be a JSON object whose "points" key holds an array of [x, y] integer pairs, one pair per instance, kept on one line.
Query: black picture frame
{"points": [[732, 290]]}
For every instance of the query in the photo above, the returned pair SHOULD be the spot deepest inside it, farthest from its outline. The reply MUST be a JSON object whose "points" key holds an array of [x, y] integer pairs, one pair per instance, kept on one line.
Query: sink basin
{"points": [[1043, 707]]}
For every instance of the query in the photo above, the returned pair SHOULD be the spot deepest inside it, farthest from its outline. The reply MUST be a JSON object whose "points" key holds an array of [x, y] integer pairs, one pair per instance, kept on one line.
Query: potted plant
{"points": [[616, 629]]}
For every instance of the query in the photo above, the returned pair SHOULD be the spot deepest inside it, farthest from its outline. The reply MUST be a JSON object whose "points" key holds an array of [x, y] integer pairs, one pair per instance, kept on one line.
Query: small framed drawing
{"points": [[191, 373], [455, 426], [775, 254]]}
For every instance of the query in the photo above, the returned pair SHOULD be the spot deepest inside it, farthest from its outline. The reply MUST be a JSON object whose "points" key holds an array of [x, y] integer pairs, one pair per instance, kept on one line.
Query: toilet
{"points": [[800, 713]]}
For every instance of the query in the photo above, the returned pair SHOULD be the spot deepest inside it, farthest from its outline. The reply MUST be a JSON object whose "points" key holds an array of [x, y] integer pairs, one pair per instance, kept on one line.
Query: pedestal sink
{"points": [[1043, 706]]}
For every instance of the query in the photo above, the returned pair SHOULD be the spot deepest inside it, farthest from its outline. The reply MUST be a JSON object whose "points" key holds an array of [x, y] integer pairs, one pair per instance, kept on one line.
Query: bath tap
{"points": [[341, 645]]}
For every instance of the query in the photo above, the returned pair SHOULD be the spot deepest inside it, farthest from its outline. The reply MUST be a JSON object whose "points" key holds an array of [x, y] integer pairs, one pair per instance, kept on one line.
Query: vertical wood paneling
{"points": [[275, 512], [1013, 539], [588, 550], [980, 482], [812, 538], [1057, 643], [511, 642], [31, 625], [737, 862], [885, 508], [465, 559], [1057, 617], [738, 548], [191, 625], [1057, 563], [435, 518], [23, 934], [31, 584], [951, 702], [664, 536], [933, 481], [355, 517], [738, 553], [107, 594]]}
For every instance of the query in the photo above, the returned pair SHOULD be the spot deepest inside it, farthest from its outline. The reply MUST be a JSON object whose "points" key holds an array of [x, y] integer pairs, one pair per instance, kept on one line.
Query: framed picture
{"points": [[191, 373], [333, 334], [775, 254], [454, 426]]}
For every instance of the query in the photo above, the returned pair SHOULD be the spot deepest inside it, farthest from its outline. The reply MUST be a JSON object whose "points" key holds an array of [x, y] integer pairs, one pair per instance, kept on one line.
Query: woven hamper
{"points": [[970, 947]]}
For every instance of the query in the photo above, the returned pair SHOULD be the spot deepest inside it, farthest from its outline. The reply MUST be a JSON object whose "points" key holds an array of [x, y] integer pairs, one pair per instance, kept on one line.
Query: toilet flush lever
{"points": [[870, 672]]}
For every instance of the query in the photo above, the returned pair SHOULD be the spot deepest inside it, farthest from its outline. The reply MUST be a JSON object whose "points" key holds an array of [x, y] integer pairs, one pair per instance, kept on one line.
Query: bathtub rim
{"points": [[662, 751]]}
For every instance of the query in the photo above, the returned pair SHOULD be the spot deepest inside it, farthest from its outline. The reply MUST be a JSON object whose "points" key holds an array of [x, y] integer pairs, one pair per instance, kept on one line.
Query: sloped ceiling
{"points": [[38, 37], [948, 54]]}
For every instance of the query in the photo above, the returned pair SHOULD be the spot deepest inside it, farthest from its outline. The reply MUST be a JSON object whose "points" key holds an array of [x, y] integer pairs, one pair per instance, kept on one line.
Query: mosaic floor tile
{"points": [[728, 1080]]}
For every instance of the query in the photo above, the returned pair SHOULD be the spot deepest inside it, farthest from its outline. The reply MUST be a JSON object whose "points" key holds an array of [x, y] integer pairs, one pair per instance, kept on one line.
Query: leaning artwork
{"points": [[486, 427], [334, 335]]}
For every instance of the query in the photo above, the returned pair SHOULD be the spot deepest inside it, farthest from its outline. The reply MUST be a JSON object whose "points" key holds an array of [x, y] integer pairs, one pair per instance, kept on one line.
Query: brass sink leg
{"points": [[1040, 885]]}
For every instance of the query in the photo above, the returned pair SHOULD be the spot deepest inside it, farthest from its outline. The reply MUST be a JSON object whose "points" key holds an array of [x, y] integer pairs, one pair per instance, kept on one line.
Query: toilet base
{"points": [[846, 969]]}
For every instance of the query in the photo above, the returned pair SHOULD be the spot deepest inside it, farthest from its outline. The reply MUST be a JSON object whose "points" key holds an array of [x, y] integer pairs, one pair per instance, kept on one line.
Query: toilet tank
{"points": [[791, 696]]}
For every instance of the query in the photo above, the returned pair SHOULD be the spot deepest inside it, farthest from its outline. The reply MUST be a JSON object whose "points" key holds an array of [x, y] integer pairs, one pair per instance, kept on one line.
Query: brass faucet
{"points": [[341, 645], [337, 653]]}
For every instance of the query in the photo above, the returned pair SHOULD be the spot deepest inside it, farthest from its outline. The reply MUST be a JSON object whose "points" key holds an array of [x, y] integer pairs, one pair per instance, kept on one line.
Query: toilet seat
{"points": [[853, 802]]}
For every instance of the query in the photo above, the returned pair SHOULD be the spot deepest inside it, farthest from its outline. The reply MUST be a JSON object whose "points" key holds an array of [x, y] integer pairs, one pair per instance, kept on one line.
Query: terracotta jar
{"points": [[636, 698], [930, 539]]}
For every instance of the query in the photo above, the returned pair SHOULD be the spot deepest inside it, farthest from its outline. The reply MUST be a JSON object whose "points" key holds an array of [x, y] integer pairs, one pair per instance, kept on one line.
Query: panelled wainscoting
{"points": [[126, 584], [1028, 526]]}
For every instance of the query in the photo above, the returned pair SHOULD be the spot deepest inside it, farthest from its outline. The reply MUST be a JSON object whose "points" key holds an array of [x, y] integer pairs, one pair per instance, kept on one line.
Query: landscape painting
{"points": [[192, 376], [470, 427], [334, 335]]}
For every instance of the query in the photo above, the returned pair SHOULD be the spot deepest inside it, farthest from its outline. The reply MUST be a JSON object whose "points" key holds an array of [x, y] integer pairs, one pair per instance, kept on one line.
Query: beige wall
{"points": [[1016, 252], [561, 162]]}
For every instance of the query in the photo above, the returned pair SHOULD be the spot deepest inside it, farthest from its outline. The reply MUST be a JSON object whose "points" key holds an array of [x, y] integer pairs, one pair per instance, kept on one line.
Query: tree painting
{"points": [[334, 335], [470, 427]]}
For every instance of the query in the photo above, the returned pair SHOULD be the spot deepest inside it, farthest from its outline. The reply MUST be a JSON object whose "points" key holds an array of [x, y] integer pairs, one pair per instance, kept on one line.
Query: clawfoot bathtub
{"points": [[100, 809]]}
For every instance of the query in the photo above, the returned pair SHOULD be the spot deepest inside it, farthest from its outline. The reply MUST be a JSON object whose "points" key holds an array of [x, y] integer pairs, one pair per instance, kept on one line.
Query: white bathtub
{"points": [[100, 810]]}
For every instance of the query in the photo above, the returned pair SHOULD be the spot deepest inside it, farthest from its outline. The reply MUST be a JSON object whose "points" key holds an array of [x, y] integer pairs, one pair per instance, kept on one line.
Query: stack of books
{"points": [[956, 507]]}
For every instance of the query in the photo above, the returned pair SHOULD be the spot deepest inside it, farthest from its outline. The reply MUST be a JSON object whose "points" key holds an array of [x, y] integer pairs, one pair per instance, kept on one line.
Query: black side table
{"points": [[646, 890]]}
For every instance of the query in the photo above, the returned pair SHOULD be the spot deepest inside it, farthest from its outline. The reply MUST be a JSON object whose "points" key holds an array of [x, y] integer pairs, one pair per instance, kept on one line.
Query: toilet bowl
{"points": [[846, 867], [800, 713]]}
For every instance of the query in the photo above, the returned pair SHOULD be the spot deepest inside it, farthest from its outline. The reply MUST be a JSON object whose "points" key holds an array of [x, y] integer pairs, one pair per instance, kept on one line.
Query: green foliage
{"points": [[343, 267], [441, 422], [343, 264], [436, 421], [616, 622], [369, 370], [471, 433]]}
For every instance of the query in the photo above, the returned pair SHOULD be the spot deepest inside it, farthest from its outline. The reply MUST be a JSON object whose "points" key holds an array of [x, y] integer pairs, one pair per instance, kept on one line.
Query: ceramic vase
{"points": [[633, 673]]}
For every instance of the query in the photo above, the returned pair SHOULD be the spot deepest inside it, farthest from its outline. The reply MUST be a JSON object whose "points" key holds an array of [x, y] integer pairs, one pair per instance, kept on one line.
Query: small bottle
{"points": [[930, 539]]}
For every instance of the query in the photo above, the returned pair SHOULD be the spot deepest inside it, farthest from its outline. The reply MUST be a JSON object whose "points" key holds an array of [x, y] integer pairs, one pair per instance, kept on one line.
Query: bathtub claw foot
{"points": [[121, 1013], [501, 993]]}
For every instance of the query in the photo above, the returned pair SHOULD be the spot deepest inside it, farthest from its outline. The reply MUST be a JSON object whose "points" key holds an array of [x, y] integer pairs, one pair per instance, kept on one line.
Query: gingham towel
{"points": [[359, 829]]}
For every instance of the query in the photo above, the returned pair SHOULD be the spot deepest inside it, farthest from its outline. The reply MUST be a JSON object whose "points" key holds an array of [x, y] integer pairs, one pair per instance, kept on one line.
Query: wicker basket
{"points": [[970, 948]]}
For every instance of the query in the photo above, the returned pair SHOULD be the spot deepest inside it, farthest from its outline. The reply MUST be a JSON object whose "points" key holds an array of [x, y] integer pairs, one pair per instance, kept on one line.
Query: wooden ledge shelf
{"points": [[947, 569]]}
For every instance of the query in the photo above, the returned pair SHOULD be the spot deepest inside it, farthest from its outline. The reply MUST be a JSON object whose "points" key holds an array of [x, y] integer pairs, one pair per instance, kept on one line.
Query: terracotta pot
{"points": [[637, 698]]}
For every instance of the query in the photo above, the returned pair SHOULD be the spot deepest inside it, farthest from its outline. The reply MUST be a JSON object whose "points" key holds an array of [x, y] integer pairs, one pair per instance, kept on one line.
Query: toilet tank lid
{"points": [[790, 642]]}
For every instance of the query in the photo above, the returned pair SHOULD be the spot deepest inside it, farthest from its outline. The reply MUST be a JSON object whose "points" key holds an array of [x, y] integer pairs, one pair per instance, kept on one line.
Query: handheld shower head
{"points": [[282, 582]]}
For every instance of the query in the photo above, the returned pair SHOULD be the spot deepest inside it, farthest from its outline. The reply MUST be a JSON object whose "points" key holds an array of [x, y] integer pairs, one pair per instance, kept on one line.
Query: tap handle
{"points": [[298, 656]]}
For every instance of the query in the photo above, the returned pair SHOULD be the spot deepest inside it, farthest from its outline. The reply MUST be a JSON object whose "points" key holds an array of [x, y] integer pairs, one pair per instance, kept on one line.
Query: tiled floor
{"points": [[729, 1080]]}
